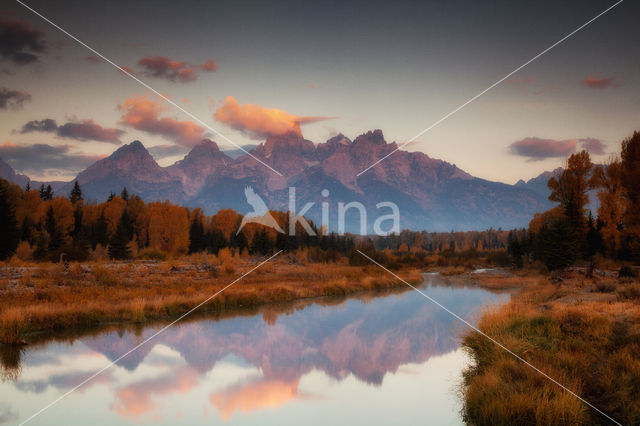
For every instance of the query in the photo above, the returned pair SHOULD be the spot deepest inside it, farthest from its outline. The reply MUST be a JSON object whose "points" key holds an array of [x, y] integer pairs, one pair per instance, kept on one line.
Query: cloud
{"points": [[255, 395], [46, 160], [85, 130], [136, 399], [163, 67], [20, 43], [172, 70], [599, 83], [125, 69], [13, 99], [593, 145], [144, 115], [45, 125], [94, 59], [539, 149], [209, 66], [259, 122]]}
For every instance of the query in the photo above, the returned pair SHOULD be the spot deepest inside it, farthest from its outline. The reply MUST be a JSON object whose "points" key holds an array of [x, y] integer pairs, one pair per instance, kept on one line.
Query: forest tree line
{"points": [[38, 224]]}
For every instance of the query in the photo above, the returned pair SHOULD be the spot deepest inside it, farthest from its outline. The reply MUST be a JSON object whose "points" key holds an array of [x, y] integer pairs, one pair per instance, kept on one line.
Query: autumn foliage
{"points": [[566, 233]]}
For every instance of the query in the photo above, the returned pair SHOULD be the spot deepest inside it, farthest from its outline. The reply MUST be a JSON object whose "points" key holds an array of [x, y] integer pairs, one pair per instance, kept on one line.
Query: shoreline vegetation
{"points": [[583, 332], [50, 297]]}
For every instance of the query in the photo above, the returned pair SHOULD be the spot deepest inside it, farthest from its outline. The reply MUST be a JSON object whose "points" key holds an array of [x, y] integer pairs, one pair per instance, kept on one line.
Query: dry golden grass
{"points": [[46, 297], [586, 339]]}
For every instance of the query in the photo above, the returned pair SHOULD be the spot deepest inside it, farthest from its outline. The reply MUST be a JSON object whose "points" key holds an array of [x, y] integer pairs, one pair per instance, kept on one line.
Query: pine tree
{"points": [[76, 193], [99, 233], [56, 239], [261, 242], [80, 243], [27, 187], [8, 225], [216, 241], [48, 193], [119, 244], [124, 194], [197, 239], [240, 241], [26, 230]]}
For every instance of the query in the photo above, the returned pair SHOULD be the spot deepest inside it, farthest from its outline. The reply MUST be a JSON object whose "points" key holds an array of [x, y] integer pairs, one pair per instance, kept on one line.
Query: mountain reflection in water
{"points": [[372, 359]]}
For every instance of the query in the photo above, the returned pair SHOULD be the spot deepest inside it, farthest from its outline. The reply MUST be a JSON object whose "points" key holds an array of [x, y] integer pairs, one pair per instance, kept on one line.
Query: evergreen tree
{"points": [[76, 193], [48, 193], [27, 187], [124, 194], [261, 243], [595, 243], [99, 234], [56, 240], [8, 225], [216, 241], [197, 238], [118, 246], [554, 244], [80, 241], [26, 230], [240, 241]]}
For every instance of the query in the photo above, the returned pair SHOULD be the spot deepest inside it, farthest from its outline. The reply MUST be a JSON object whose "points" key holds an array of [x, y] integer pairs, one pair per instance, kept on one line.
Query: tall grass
{"points": [[590, 347], [53, 298]]}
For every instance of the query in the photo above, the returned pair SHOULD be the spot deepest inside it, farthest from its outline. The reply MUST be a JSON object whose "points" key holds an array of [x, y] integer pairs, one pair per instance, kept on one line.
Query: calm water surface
{"points": [[375, 359]]}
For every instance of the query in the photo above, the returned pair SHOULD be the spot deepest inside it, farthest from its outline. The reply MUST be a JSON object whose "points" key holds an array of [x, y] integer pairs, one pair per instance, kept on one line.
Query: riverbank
{"points": [[48, 297], [583, 332]]}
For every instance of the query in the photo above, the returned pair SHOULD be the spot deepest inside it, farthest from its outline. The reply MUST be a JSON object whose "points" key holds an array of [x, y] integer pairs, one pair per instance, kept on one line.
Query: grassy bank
{"points": [[48, 297], [585, 333]]}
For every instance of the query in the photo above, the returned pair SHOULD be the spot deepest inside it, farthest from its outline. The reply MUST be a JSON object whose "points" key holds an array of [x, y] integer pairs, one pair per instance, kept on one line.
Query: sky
{"points": [[250, 69]]}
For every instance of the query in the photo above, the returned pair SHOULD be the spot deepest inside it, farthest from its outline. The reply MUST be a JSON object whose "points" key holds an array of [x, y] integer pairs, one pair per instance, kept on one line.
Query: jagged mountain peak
{"points": [[373, 136], [339, 139], [135, 149], [430, 193], [290, 142], [206, 146], [206, 151]]}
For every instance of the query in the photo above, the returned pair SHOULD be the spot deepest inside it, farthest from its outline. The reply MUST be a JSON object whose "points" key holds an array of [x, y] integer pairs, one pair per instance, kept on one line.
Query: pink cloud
{"points": [[258, 121], [209, 66], [540, 149], [598, 83], [143, 114], [167, 68], [172, 70]]}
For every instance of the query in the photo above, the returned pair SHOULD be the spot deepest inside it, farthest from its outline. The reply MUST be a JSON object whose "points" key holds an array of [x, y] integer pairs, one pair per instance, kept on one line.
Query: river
{"points": [[391, 358]]}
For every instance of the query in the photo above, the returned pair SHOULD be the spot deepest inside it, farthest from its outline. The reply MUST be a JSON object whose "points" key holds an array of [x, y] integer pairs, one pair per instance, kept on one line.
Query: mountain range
{"points": [[430, 193]]}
